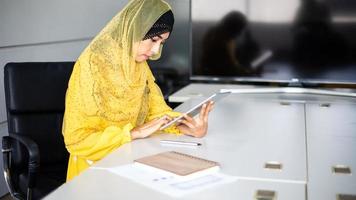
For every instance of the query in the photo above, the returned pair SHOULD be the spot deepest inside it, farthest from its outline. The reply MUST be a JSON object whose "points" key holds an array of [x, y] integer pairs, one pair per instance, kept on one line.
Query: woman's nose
{"points": [[155, 48]]}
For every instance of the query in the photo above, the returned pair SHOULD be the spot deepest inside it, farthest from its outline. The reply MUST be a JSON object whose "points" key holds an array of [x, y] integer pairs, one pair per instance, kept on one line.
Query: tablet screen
{"points": [[196, 109]]}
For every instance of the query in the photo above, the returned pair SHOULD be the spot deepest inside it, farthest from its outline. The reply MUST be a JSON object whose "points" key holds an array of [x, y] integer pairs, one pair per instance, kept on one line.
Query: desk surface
{"points": [[200, 89], [100, 184], [196, 90], [254, 129]]}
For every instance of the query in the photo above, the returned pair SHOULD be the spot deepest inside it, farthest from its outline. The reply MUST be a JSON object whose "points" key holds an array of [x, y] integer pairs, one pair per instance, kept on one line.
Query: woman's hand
{"points": [[149, 128], [196, 127]]}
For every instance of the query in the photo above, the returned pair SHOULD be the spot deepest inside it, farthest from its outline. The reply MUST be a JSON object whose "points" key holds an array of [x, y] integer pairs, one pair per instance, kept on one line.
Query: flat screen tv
{"points": [[308, 41]]}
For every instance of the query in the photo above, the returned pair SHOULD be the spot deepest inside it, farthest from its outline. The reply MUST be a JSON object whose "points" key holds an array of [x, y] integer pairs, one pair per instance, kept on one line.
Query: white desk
{"points": [[200, 89], [195, 90], [102, 185], [245, 131]]}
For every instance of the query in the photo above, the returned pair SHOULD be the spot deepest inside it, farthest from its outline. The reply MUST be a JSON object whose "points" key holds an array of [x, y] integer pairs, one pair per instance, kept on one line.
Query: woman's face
{"points": [[150, 47]]}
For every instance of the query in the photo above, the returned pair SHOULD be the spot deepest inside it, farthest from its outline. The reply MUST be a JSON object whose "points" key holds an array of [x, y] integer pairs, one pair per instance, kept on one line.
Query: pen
{"points": [[175, 142]]}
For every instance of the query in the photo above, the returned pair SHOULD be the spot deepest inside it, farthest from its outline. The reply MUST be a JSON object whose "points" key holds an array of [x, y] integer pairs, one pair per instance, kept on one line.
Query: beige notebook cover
{"points": [[178, 163]]}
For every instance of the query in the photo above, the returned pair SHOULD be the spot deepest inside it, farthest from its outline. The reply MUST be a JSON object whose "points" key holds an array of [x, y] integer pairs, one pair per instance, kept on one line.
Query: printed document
{"points": [[169, 183]]}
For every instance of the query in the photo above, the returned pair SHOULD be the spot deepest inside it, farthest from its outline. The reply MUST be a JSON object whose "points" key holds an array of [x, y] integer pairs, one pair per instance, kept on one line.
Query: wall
{"points": [[58, 30]]}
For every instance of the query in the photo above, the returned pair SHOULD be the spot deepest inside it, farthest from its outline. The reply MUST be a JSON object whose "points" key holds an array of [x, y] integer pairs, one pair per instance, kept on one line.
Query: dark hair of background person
{"points": [[317, 47], [222, 53]]}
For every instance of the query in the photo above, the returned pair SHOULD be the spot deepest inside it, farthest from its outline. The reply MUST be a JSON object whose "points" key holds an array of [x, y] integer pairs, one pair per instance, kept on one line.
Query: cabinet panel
{"points": [[247, 133], [331, 167], [331, 119], [255, 190]]}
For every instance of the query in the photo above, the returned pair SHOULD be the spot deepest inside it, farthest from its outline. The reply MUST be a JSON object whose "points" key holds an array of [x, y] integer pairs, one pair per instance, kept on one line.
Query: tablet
{"points": [[196, 109]]}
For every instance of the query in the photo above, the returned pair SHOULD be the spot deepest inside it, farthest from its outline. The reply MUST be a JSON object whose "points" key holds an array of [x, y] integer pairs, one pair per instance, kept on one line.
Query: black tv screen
{"points": [[276, 40]]}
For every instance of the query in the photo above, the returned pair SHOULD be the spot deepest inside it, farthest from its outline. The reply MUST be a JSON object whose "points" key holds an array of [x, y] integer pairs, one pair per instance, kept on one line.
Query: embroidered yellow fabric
{"points": [[109, 93]]}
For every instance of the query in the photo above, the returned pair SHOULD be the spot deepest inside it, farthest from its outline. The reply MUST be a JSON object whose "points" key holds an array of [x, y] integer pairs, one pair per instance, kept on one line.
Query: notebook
{"points": [[179, 163]]}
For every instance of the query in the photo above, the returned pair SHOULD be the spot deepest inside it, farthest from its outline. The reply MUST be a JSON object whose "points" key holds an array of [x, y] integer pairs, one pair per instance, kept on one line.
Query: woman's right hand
{"points": [[149, 128]]}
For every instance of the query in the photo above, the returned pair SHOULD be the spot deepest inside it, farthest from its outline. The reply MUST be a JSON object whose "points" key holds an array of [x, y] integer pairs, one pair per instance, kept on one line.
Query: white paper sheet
{"points": [[168, 183]]}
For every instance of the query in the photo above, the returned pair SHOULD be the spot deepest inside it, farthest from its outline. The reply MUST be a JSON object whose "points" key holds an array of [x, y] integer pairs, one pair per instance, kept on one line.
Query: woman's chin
{"points": [[141, 59]]}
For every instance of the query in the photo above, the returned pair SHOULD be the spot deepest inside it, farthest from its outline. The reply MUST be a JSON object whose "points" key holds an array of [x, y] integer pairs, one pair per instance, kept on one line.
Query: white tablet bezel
{"points": [[215, 97]]}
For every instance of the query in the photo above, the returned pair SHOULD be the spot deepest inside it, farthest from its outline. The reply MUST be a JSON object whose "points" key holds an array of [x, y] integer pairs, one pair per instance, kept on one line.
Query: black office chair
{"points": [[35, 158], [169, 81]]}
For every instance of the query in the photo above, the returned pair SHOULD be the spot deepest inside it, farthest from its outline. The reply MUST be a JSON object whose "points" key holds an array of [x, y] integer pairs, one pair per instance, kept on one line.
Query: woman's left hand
{"points": [[199, 126]]}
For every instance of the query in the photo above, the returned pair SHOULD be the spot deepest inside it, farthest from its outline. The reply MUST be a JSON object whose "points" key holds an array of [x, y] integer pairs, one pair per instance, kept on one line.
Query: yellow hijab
{"points": [[106, 83]]}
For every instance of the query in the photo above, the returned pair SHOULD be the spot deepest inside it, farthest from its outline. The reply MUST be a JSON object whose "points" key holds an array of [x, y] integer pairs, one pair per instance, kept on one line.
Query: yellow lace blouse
{"points": [[109, 93]]}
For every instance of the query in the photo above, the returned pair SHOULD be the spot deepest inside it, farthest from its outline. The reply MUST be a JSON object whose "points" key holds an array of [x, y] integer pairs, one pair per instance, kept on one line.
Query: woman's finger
{"points": [[167, 117], [187, 123], [164, 117], [208, 109], [184, 129], [164, 122], [189, 119], [155, 123], [203, 117], [211, 106], [206, 117], [202, 111]]}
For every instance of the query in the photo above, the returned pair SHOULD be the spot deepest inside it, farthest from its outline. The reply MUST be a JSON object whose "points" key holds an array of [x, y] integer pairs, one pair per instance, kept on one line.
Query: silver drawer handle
{"points": [[325, 105], [345, 197], [273, 165], [341, 169], [265, 195], [285, 103]]}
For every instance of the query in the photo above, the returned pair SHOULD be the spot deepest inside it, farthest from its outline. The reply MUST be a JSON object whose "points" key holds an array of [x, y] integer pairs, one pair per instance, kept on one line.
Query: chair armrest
{"points": [[33, 155]]}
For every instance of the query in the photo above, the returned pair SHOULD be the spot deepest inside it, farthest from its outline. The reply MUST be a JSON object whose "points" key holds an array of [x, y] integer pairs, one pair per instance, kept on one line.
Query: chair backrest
{"points": [[35, 96]]}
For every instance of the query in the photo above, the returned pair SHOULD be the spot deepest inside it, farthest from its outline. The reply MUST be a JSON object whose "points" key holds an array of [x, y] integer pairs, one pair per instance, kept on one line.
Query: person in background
{"points": [[112, 97], [228, 48], [318, 47]]}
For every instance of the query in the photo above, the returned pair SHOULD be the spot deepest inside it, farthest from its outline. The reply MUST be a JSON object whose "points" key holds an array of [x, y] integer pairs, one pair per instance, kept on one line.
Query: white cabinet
{"points": [[331, 146], [100, 184], [249, 133], [331, 167], [331, 119], [254, 190]]}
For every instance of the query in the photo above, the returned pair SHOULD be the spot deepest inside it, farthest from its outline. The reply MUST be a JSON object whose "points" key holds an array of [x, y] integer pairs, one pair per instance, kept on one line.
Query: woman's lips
{"points": [[146, 56]]}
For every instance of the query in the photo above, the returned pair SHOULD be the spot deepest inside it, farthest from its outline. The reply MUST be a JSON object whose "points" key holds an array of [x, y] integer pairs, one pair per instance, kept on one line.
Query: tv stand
{"points": [[295, 83]]}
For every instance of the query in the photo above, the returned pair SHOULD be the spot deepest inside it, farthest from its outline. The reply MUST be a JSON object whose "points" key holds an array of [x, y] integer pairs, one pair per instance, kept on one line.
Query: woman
{"points": [[112, 98]]}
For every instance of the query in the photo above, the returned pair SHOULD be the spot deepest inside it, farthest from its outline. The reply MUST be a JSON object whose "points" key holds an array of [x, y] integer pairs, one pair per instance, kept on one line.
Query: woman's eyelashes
{"points": [[154, 39], [158, 40]]}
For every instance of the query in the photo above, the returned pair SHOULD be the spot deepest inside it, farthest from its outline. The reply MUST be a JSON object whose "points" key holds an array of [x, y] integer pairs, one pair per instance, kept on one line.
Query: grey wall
{"points": [[58, 30], [42, 30]]}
